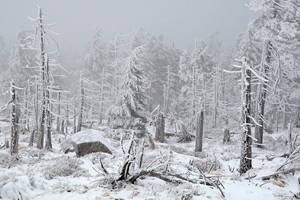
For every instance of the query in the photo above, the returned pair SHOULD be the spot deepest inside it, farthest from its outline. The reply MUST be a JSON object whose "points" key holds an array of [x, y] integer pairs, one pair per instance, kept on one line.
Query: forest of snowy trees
{"points": [[138, 80]]}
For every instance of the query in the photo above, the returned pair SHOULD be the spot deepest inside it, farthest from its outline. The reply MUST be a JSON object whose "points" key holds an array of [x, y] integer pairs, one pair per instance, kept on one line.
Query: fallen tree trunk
{"points": [[268, 177]]}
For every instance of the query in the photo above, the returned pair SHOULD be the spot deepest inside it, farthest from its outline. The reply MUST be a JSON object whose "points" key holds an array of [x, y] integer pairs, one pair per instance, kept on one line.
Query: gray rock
{"points": [[90, 141]]}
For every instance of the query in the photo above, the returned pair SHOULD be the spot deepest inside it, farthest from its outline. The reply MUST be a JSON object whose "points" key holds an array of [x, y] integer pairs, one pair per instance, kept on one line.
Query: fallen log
{"points": [[289, 171]]}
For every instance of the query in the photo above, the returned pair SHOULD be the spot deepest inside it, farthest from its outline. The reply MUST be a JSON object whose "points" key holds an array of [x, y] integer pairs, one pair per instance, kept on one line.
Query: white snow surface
{"points": [[53, 175]]}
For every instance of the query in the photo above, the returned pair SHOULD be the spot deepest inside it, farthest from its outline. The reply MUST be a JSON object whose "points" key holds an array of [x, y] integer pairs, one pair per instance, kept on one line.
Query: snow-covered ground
{"points": [[40, 174]]}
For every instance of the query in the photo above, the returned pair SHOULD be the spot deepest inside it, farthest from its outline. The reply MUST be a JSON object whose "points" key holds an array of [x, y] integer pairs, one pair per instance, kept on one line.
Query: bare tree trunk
{"points": [[194, 93], [101, 99], [81, 107], [58, 113], [226, 138], [215, 107], [285, 118], [262, 95], [15, 113], [31, 138], [36, 108], [290, 139], [199, 132], [167, 91], [277, 120], [160, 128], [63, 127], [246, 152], [67, 119], [48, 107], [40, 141], [26, 113], [74, 120]]}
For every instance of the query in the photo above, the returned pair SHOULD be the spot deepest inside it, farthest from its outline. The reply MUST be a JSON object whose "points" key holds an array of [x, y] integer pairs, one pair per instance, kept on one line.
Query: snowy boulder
{"points": [[89, 141]]}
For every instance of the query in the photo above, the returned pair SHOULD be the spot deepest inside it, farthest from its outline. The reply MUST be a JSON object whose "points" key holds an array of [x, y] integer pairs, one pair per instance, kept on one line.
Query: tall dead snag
{"points": [[199, 132], [36, 110], [40, 140], [101, 102], [259, 130], [79, 123], [246, 151], [26, 112], [74, 120], [58, 123], [160, 128], [15, 113], [290, 142], [48, 108], [66, 120]]}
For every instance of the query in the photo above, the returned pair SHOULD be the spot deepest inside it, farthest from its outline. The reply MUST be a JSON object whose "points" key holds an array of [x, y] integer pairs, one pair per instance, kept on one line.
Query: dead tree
{"points": [[40, 140], [246, 151], [262, 95], [101, 102], [291, 147], [15, 114], [26, 110], [48, 108], [74, 120], [79, 123], [160, 128], [36, 110], [199, 132], [58, 129], [226, 138], [66, 119]]}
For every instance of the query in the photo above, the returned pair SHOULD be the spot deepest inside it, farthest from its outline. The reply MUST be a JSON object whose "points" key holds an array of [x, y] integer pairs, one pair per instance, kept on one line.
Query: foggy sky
{"points": [[181, 21]]}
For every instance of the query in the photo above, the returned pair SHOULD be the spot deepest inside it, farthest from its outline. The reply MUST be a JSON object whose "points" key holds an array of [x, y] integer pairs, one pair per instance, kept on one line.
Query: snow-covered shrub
{"points": [[181, 150], [12, 191], [208, 164], [228, 156], [187, 191], [6, 160], [64, 167], [67, 187]]}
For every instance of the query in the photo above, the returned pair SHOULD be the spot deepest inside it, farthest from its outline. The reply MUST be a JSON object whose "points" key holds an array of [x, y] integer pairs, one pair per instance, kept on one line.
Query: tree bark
{"points": [[74, 120], [259, 131], [15, 113], [199, 132], [101, 99], [246, 151], [40, 141], [66, 120], [81, 107], [58, 129], [226, 138], [160, 128], [290, 139], [48, 109]]}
